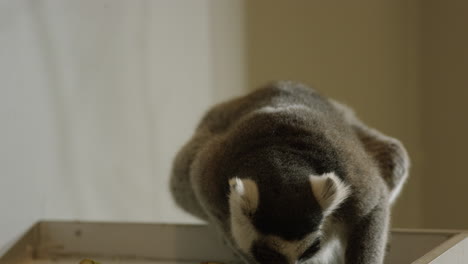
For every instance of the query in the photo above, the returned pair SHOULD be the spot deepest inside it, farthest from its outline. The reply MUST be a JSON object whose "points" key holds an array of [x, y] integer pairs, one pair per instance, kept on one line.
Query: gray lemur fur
{"points": [[303, 171]]}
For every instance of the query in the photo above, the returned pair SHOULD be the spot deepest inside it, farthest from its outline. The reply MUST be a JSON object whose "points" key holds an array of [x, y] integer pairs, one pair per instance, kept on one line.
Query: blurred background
{"points": [[97, 96]]}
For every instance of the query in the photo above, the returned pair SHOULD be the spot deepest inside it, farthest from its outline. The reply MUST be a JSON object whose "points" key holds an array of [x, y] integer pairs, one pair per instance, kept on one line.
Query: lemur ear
{"points": [[329, 191], [243, 195], [389, 153]]}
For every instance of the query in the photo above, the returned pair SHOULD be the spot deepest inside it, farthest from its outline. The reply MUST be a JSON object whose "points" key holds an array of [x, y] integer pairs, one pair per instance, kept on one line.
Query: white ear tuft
{"points": [[329, 190], [244, 194], [237, 185], [243, 201]]}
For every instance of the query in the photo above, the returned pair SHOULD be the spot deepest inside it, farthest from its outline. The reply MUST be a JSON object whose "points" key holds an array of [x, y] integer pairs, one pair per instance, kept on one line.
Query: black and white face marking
{"points": [[329, 191], [322, 250], [263, 253], [277, 251], [310, 251]]}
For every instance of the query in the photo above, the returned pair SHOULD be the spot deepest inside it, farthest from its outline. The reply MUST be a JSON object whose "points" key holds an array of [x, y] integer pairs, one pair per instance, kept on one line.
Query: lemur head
{"points": [[283, 223]]}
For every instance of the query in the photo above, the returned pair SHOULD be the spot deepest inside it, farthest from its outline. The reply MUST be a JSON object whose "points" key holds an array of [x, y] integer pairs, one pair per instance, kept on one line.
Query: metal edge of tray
{"points": [[451, 250]]}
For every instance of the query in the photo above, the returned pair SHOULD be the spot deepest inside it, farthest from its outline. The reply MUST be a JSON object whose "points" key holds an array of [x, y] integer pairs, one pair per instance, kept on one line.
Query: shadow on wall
{"points": [[444, 66], [363, 55]]}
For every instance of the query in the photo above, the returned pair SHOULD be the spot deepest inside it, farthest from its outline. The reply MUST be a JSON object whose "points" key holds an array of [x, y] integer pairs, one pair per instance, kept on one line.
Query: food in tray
{"points": [[89, 261]]}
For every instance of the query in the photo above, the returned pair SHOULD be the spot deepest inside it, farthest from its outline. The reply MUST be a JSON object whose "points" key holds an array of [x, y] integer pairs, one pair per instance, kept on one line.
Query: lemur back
{"points": [[283, 173]]}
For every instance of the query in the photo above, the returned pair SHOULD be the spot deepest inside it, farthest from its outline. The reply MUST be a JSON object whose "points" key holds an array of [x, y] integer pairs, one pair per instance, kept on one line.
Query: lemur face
{"points": [[257, 237]]}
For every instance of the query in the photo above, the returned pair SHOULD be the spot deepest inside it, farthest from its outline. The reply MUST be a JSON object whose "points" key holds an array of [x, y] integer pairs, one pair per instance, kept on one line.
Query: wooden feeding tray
{"points": [[112, 243]]}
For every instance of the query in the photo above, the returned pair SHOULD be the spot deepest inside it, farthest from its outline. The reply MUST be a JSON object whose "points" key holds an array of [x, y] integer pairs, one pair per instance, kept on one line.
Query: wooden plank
{"points": [[406, 247], [24, 249], [427, 231], [132, 241], [137, 243], [103, 261]]}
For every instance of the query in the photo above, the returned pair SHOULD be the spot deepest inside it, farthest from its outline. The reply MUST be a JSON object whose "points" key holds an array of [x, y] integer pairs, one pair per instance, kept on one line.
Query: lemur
{"points": [[288, 176]]}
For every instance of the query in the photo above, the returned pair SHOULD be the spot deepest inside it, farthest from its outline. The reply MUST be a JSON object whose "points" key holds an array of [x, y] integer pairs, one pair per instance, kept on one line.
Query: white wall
{"points": [[27, 136], [96, 97]]}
